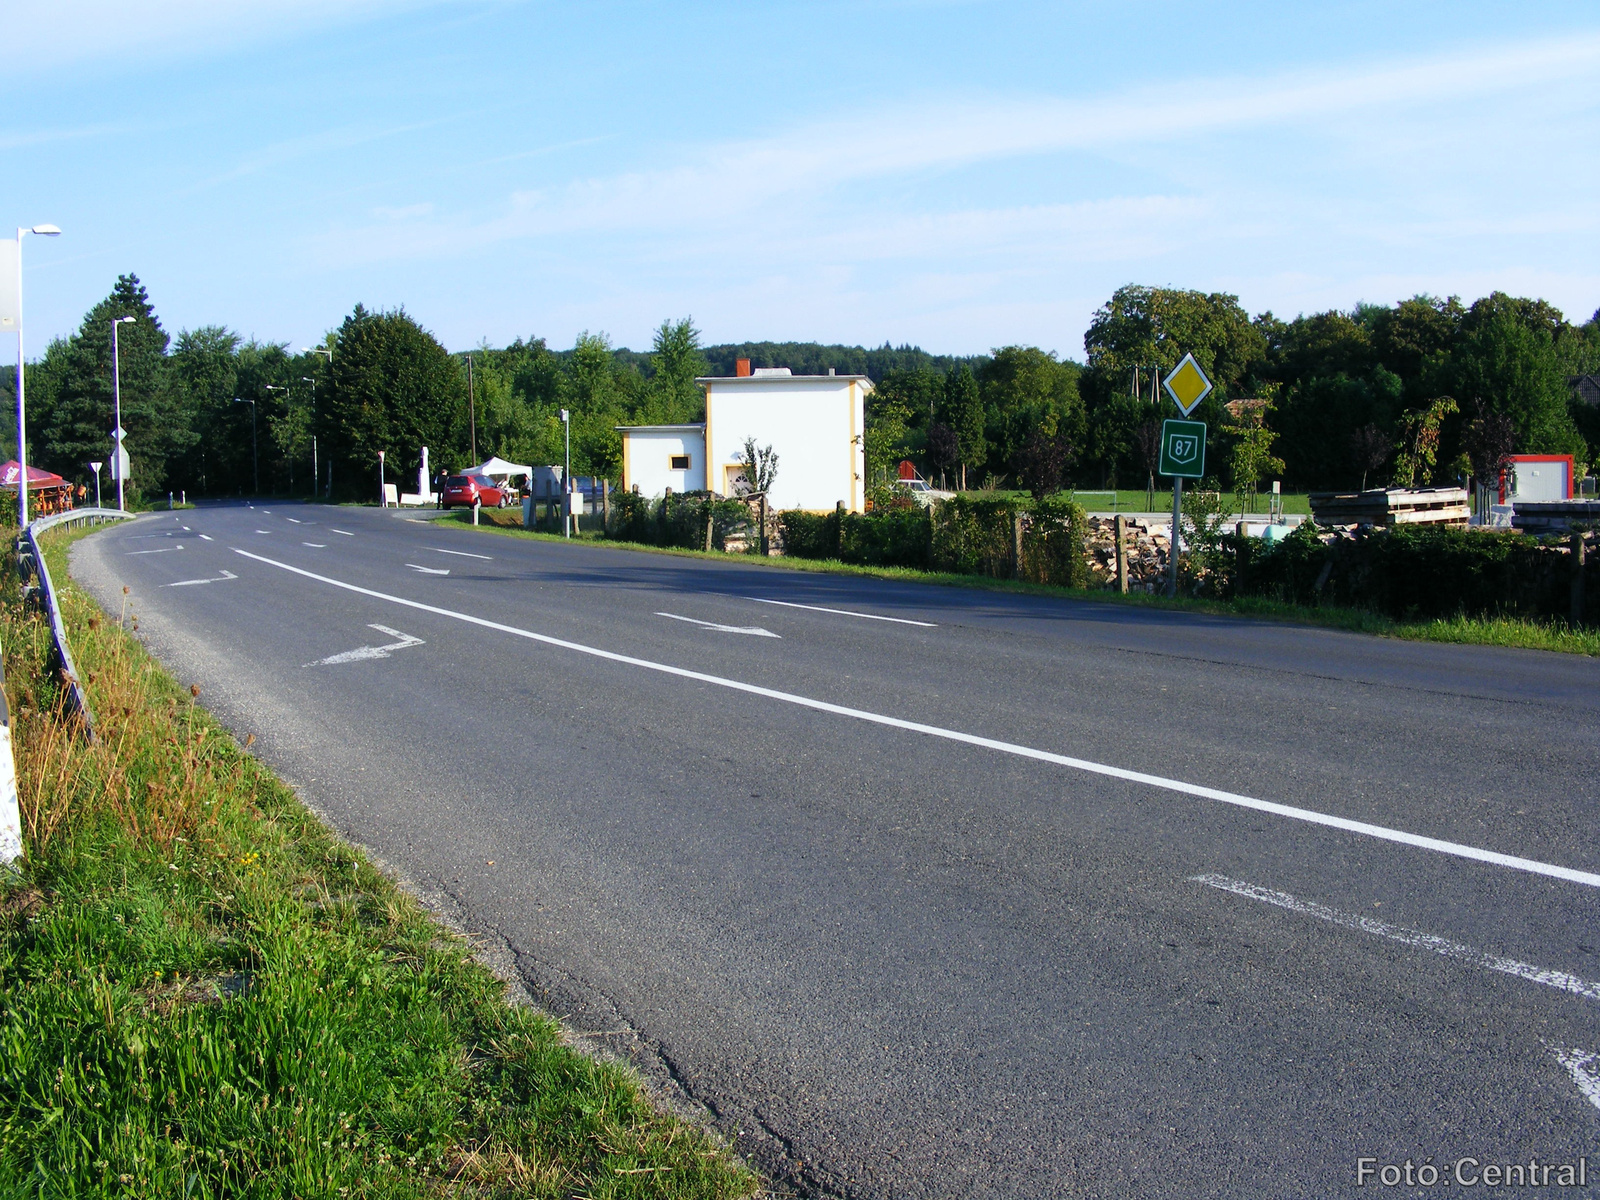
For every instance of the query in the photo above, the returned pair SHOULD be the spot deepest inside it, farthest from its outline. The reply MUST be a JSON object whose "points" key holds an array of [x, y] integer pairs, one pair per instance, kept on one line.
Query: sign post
{"points": [[1183, 447]]}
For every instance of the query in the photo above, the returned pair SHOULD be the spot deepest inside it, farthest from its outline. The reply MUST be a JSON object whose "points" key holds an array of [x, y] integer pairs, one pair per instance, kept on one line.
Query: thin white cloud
{"points": [[42, 36], [798, 177]]}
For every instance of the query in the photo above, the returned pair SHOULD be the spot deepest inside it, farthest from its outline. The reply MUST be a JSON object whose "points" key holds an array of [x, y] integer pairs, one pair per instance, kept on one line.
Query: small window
{"points": [[680, 462]]}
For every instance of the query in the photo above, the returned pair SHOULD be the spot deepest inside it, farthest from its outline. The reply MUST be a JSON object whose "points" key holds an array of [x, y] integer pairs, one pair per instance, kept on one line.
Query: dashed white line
{"points": [[163, 550], [208, 537], [459, 553], [292, 520], [844, 612], [316, 545], [1310, 816], [341, 531], [261, 531], [1559, 980], [186, 529]]}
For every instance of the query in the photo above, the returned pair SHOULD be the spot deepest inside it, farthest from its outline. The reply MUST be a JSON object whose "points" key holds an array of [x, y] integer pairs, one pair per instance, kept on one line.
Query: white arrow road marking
{"points": [[366, 652], [1559, 980], [429, 570], [1496, 858], [206, 536], [1584, 1067], [341, 531], [845, 612], [213, 579], [316, 545], [163, 550], [460, 553], [752, 630]]}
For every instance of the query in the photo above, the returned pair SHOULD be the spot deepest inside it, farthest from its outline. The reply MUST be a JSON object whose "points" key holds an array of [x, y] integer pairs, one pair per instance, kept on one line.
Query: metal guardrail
{"points": [[31, 558]]}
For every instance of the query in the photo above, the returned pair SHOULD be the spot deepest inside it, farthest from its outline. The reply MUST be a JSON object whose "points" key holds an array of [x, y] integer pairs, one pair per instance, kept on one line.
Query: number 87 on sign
{"points": [[1183, 449]]}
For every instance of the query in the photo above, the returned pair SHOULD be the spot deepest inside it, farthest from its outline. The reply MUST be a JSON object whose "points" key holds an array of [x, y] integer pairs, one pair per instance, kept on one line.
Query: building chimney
{"points": [[741, 367]]}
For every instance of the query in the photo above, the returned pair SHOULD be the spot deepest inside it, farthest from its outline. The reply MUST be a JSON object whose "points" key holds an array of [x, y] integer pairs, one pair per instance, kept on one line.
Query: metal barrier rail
{"points": [[29, 545]]}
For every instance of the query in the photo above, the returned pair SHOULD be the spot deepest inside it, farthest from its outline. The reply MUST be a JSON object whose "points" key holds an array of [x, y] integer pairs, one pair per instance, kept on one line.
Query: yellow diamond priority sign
{"points": [[1187, 385]]}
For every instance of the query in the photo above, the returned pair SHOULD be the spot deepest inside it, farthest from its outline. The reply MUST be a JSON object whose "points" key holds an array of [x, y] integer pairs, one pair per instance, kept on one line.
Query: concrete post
{"points": [[1016, 545]]}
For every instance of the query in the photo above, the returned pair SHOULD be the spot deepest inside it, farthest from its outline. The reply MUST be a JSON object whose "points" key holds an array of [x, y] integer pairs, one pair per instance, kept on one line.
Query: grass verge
{"points": [[1515, 633], [205, 993]]}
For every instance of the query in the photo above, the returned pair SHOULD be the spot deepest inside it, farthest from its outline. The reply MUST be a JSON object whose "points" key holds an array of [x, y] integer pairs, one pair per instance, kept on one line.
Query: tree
{"points": [[1419, 444], [1507, 355], [1371, 448], [392, 387], [944, 449], [78, 425], [963, 405], [1489, 440], [1250, 459], [1042, 462], [677, 361], [1028, 393], [1147, 445], [760, 466]]}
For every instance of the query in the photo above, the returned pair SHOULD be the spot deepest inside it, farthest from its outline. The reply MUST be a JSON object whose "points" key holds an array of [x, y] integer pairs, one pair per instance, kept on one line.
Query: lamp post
{"points": [[119, 452], [329, 354], [255, 463], [22, 421], [313, 383], [95, 467], [566, 475]]}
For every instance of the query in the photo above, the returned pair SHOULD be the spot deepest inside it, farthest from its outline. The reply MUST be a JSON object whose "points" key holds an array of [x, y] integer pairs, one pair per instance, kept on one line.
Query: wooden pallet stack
{"points": [[1553, 516], [1388, 507]]}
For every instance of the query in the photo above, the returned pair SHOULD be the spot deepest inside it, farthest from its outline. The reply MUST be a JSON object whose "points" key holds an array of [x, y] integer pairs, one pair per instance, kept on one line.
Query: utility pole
{"points": [[472, 413], [566, 474]]}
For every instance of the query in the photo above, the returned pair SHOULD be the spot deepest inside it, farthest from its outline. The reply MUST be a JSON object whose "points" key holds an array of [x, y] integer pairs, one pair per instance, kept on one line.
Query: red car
{"points": [[468, 490]]}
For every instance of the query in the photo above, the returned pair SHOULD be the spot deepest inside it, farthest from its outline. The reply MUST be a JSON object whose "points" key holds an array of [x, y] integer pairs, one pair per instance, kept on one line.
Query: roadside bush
{"points": [[677, 520], [892, 537], [808, 534], [1418, 572]]}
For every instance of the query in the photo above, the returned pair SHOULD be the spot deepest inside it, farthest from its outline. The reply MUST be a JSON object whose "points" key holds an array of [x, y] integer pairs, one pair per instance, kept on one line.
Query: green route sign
{"points": [[1183, 449]]}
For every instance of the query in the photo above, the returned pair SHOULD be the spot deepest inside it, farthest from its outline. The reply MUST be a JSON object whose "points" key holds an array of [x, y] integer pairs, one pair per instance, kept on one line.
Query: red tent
{"points": [[36, 478]]}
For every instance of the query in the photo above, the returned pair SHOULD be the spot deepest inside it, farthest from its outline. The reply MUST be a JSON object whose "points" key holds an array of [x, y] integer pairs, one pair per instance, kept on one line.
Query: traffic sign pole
{"points": [[1177, 536]]}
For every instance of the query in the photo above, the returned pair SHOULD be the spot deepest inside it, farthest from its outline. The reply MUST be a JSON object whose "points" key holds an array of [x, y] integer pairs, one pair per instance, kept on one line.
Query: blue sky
{"points": [[955, 175]]}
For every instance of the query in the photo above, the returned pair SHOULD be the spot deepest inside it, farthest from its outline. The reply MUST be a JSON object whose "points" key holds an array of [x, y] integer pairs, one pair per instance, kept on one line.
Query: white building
{"points": [[813, 422]]}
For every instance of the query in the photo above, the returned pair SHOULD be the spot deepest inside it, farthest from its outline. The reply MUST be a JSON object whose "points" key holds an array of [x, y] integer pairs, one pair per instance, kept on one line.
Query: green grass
{"points": [[204, 992], [1469, 631]]}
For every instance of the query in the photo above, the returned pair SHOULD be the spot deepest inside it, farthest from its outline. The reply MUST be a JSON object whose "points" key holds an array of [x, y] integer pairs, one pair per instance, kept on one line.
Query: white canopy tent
{"points": [[499, 468]]}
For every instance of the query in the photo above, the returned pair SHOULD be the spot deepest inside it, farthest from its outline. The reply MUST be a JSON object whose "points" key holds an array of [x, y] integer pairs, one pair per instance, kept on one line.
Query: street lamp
{"points": [[15, 317], [313, 383], [95, 467], [119, 453], [566, 475], [255, 463], [329, 354]]}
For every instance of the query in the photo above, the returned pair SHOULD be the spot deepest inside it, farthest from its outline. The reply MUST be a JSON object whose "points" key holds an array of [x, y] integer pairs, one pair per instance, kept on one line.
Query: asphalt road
{"points": [[823, 883]]}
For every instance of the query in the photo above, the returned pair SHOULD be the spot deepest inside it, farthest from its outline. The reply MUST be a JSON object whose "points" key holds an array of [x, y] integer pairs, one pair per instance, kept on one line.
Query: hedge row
{"points": [[960, 535], [1416, 572], [677, 520]]}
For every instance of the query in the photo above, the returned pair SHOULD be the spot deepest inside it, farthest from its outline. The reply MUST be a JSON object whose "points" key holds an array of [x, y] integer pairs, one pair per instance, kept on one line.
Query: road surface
{"points": [[936, 892]]}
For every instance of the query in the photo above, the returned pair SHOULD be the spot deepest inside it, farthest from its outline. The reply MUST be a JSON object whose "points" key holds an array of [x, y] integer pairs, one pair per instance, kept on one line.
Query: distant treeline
{"points": [[1426, 390]]}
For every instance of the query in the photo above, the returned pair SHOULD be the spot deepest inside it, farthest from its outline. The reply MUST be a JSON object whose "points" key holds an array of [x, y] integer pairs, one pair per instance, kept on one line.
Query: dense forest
{"points": [[1426, 390]]}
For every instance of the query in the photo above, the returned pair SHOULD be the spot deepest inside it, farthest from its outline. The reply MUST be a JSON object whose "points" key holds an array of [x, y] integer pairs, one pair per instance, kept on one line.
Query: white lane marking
{"points": [[752, 630], [844, 612], [429, 570], [207, 537], [261, 531], [1584, 1067], [191, 582], [163, 550], [362, 653], [341, 531], [268, 511], [186, 529], [292, 519], [1383, 833], [316, 545], [1559, 980], [459, 553]]}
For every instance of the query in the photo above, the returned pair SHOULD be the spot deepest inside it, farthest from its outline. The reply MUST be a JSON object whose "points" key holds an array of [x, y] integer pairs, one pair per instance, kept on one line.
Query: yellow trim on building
{"points": [[627, 481], [710, 457], [851, 446]]}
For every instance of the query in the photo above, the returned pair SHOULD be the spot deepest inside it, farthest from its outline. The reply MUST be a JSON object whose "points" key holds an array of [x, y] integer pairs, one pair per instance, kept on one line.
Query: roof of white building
{"points": [[780, 374], [661, 428]]}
